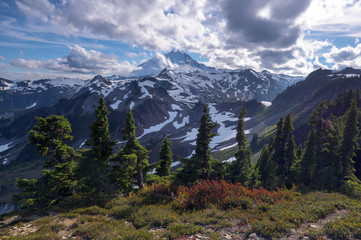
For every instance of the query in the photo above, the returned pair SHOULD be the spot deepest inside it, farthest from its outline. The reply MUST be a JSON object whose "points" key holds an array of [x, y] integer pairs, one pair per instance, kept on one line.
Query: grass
{"points": [[271, 214]]}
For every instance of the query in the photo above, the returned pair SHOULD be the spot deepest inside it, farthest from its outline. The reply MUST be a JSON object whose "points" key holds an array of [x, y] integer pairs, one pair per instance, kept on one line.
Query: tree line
{"points": [[330, 158]]}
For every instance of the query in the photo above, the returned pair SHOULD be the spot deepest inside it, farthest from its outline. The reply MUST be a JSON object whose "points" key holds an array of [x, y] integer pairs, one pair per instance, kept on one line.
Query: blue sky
{"points": [[51, 38]]}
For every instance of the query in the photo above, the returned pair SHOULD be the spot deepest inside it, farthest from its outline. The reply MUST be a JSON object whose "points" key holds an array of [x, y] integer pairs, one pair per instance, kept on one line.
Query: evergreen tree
{"points": [[133, 148], [349, 142], [94, 165], [290, 159], [123, 170], [241, 136], [204, 137], [200, 164], [328, 176], [241, 168], [165, 158], [58, 180], [308, 161], [266, 169]]}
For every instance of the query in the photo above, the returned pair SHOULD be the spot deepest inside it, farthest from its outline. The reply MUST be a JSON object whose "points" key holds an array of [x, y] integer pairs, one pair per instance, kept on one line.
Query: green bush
{"points": [[178, 230], [153, 216], [123, 211]]}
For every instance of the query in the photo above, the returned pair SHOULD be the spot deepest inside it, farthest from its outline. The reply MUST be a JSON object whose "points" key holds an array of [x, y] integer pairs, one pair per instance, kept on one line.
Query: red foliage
{"points": [[225, 194]]}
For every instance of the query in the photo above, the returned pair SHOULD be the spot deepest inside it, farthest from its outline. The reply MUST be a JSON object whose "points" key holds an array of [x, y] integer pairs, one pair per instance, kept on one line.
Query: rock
{"points": [[34, 217], [52, 214], [227, 236], [314, 226], [305, 238], [293, 232], [254, 236]]}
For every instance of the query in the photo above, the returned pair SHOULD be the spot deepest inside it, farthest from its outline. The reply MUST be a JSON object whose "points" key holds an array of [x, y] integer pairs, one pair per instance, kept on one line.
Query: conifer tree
{"points": [[94, 165], [58, 180], [308, 161], [328, 176], [134, 150], [241, 136], [200, 164], [165, 158], [266, 169], [204, 137], [349, 142], [241, 168], [290, 159]]}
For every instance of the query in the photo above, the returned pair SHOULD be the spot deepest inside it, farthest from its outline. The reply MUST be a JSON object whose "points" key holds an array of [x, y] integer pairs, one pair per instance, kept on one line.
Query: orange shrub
{"points": [[224, 194]]}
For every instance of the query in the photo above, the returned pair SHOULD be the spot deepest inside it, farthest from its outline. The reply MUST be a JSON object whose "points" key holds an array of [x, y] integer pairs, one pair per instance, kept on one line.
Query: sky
{"points": [[83, 38]]}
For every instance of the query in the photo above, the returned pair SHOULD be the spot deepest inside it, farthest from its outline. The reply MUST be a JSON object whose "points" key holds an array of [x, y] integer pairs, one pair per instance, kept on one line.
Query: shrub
{"points": [[123, 211], [157, 193], [153, 216], [226, 195], [178, 230], [110, 230], [93, 210]]}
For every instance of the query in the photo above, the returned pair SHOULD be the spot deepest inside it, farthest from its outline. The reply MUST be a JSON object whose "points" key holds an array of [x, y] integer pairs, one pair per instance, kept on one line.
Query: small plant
{"points": [[153, 216], [178, 230]]}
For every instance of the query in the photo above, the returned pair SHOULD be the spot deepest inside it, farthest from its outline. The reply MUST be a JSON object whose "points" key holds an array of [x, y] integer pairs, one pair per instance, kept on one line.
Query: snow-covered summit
{"points": [[176, 60]]}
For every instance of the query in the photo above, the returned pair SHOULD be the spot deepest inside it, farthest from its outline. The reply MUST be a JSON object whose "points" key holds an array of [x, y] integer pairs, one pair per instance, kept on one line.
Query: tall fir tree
{"points": [[204, 138], [134, 148], [349, 142], [308, 162], [241, 168], [165, 158], [290, 159], [58, 180], [328, 176], [266, 169], [94, 165], [200, 164], [241, 136], [287, 153]]}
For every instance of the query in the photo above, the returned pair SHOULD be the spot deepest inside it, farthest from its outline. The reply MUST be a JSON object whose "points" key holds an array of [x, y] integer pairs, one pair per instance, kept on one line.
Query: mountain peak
{"points": [[176, 60]]}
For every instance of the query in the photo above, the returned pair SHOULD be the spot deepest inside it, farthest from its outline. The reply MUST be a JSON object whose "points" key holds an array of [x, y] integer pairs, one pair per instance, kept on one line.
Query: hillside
{"points": [[151, 214]]}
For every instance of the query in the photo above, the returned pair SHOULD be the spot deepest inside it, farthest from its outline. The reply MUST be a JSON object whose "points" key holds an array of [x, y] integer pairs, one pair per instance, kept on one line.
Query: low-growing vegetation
{"points": [[201, 209]]}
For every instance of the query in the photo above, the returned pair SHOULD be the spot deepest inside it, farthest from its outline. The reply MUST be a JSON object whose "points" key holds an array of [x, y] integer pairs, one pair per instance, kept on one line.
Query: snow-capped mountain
{"points": [[176, 60], [169, 102]]}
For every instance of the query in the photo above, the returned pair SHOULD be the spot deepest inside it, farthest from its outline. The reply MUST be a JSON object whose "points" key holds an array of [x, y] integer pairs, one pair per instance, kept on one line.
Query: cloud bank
{"points": [[260, 34]]}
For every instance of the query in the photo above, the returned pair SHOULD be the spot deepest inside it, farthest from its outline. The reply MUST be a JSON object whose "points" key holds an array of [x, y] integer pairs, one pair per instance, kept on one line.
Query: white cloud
{"points": [[2, 58], [254, 34], [79, 60], [357, 40], [344, 57]]}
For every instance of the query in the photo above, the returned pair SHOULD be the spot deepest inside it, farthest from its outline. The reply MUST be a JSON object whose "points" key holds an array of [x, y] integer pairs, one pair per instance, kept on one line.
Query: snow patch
{"points": [[33, 105], [226, 147], [5, 147], [115, 105], [175, 163], [175, 107], [159, 126], [82, 144], [224, 133], [267, 104], [191, 136], [231, 159], [185, 121], [131, 105]]}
